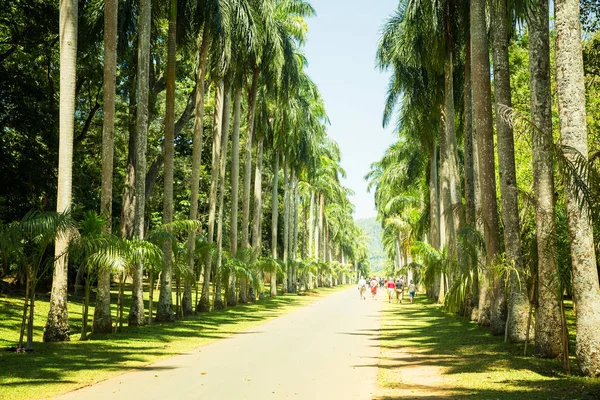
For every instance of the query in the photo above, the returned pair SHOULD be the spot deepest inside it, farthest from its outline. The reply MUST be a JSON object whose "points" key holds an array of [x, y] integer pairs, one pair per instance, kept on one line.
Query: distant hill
{"points": [[376, 253]]}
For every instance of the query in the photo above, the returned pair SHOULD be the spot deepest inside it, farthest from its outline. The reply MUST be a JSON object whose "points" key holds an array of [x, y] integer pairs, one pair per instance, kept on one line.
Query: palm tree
{"points": [[204, 17], [547, 311], [235, 172], [482, 113], [164, 312], [136, 311], [102, 316], [247, 175], [572, 116], [218, 300], [204, 303], [57, 325], [518, 302]]}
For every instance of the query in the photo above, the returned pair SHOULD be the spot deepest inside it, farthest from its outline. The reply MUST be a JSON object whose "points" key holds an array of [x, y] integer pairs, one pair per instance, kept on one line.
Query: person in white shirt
{"points": [[362, 287]]}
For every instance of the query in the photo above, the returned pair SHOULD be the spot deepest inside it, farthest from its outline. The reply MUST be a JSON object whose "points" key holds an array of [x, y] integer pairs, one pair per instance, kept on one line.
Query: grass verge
{"points": [[429, 354], [56, 368]]}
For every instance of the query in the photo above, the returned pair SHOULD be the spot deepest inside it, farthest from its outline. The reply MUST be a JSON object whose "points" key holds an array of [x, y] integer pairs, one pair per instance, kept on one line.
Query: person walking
{"points": [[399, 289], [411, 291], [362, 288], [374, 284], [391, 288]]}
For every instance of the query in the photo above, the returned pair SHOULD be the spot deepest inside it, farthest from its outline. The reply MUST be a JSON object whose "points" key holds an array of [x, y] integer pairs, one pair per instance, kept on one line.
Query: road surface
{"points": [[326, 350]]}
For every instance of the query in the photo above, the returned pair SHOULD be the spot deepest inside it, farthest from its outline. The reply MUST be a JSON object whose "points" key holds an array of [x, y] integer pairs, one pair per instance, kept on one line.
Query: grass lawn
{"points": [[55, 368], [426, 353]]}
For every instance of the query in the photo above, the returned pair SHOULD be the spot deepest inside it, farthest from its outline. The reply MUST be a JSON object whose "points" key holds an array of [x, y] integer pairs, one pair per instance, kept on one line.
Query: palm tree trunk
{"points": [[311, 224], [235, 182], [470, 180], [304, 228], [102, 321], [164, 311], [316, 227], [57, 325], [456, 213], [547, 311], [128, 202], [257, 216], [248, 177], [518, 303], [434, 209], [186, 301], [286, 225], [274, 219], [218, 300], [295, 237], [136, 311], [323, 244], [204, 304], [482, 111], [572, 116]]}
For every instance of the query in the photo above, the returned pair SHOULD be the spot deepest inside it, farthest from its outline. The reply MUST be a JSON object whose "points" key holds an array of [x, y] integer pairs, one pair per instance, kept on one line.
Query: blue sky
{"points": [[341, 46]]}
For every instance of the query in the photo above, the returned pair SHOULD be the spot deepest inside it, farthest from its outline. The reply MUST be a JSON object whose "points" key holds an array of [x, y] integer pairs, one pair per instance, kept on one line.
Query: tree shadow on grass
{"points": [[423, 335]]}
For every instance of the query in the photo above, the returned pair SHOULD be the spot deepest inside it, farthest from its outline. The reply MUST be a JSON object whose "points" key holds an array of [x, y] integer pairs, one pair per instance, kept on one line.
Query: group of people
{"points": [[394, 287]]}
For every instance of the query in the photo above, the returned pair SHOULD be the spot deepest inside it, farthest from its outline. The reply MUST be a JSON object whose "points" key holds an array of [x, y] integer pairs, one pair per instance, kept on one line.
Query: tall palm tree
{"points": [[518, 301], [235, 172], [218, 300], [482, 113], [164, 312], [102, 322], [547, 311], [203, 17], [136, 311], [57, 325], [572, 116], [204, 303]]}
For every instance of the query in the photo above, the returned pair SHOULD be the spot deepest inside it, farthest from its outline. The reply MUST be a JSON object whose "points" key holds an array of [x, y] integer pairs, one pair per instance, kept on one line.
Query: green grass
{"points": [[472, 363], [55, 368]]}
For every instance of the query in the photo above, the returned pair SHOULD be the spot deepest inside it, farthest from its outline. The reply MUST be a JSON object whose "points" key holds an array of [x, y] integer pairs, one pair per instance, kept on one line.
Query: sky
{"points": [[341, 46]]}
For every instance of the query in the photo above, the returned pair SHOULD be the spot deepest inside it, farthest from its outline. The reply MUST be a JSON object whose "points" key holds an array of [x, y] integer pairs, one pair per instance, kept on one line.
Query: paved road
{"points": [[327, 350]]}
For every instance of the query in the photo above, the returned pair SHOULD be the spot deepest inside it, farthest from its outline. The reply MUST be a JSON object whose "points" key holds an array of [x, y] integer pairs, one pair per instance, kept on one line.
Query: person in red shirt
{"points": [[373, 285], [391, 288]]}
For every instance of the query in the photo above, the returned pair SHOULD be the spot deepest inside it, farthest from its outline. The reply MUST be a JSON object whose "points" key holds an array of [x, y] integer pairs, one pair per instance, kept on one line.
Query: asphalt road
{"points": [[327, 350]]}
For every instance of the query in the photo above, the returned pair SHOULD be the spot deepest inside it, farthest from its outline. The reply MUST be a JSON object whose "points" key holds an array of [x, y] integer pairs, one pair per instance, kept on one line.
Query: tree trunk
{"points": [[235, 183], [547, 311], [311, 224], [482, 112], [186, 301], [274, 219], [248, 177], [136, 312], [322, 225], [102, 321], [257, 215], [434, 209], [470, 178], [455, 213], [164, 311], [128, 206], [572, 116], [57, 325], [295, 237], [518, 303], [204, 304], [218, 300]]}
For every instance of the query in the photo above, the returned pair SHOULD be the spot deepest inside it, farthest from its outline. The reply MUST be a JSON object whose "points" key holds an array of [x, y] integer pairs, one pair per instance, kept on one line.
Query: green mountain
{"points": [[373, 230]]}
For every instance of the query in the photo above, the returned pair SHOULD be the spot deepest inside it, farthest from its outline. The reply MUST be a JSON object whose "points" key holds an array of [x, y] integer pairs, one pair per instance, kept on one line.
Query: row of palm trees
{"points": [[248, 54], [447, 216]]}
